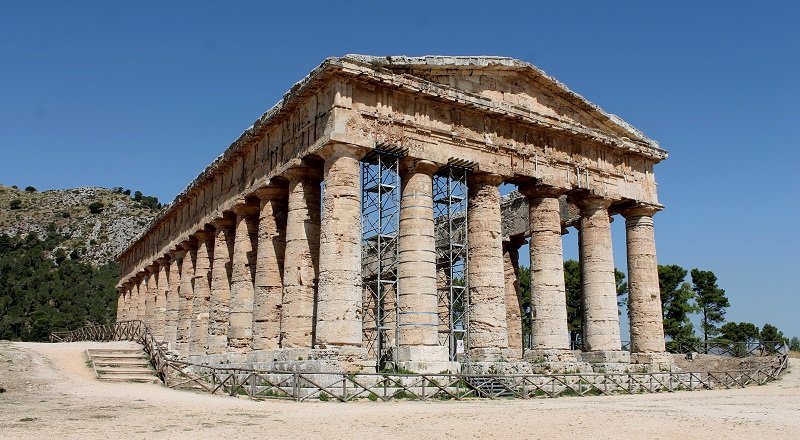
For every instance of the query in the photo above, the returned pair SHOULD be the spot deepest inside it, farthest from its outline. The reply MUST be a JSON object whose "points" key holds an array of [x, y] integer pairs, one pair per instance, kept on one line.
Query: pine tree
{"points": [[676, 305], [711, 300]]}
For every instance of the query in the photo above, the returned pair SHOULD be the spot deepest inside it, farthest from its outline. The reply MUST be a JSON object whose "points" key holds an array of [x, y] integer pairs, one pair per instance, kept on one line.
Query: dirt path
{"points": [[51, 394]]}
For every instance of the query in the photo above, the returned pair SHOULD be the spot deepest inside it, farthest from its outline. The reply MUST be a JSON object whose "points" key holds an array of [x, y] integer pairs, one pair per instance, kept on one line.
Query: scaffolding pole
{"points": [[450, 215], [380, 219]]}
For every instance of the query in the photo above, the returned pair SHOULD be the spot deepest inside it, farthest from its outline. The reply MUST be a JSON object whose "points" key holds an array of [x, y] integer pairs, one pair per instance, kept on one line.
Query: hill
{"points": [[97, 222]]}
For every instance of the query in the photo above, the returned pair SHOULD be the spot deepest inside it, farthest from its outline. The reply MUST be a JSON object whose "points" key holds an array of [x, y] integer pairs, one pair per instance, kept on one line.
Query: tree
{"points": [[794, 343], [739, 334], [574, 292], [96, 207], [772, 338], [15, 204], [30, 189], [137, 196], [711, 300], [127, 192], [676, 305]]}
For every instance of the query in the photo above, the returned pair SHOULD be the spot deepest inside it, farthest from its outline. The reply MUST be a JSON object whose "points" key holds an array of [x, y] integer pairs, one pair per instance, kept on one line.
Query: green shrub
{"points": [[96, 207], [30, 189], [15, 204]]}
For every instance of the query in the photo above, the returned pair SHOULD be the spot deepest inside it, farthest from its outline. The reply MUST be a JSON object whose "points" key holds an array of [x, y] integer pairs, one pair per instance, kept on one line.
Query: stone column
{"points": [[185, 297], [270, 252], [339, 321], [644, 295], [130, 310], [301, 264], [240, 330], [513, 309], [162, 294], [219, 313], [488, 331], [150, 297], [141, 294], [549, 331], [201, 289], [417, 300], [173, 300], [121, 304], [600, 315]]}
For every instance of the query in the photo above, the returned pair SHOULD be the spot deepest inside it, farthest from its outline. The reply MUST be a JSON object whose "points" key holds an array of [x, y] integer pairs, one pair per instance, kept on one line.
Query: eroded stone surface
{"points": [[201, 301], [243, 257], [219, 311]]}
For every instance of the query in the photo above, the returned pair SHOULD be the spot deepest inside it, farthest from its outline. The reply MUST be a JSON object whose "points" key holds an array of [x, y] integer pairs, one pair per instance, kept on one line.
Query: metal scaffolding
{"points": [[380, 214], [450, 214]]}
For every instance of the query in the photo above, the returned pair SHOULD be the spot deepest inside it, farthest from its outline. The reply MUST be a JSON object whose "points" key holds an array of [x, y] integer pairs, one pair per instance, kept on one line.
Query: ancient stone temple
{"points": [[358, 224]]}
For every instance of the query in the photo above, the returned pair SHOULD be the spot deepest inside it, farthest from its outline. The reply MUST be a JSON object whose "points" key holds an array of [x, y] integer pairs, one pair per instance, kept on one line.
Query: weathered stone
{"points": [[301, 263], [339, 300], [644, 295], [162, 295], [219, 312], [271, 250], [201, 288], [600, 315], [240, 330], [183, 335], [488, 332], [548, 297], [418, 299], [150, 297], [173, 299], [512, 293]]}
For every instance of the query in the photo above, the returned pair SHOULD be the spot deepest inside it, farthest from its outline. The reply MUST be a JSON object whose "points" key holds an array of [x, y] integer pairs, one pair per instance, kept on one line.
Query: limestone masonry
{"points": [[358, 225]]}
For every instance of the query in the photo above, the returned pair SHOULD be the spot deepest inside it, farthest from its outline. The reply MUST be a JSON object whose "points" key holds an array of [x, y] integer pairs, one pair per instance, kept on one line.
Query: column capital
{"points": [[151, 268], [188, 244], [162, 261], [593, 203], [140, 276], [177, 253], [203, 235], [333, 150], [535, 190], [244, 209], [481, 177], [413, 165], [640, 210], [222, 223], [275, 189], [303, 170]]}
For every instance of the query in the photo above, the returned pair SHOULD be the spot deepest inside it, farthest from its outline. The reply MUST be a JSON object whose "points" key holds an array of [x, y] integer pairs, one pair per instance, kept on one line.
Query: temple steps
{"points": [[121, 365]]}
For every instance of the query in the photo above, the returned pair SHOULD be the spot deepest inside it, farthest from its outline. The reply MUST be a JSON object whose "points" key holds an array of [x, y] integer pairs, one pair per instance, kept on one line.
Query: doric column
{"points": [[140, 292], [511, 283], [644, 295], [339, 321], [240, 330], [130, 305], [173, 300], [600, 315], [301, 264], [488, 331], [201, 299], [151, 272], [549, 329], [219, 313], [270, 252], [185, 263], [162, 295], [418, 299], [121, 304]]}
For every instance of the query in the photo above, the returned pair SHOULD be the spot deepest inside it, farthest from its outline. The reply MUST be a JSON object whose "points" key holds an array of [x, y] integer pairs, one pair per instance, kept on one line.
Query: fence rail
{"points": [[301, 386]]}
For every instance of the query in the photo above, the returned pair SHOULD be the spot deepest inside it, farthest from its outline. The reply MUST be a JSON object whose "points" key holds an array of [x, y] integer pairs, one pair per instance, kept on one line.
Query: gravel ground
{"points": [[51, 393]]}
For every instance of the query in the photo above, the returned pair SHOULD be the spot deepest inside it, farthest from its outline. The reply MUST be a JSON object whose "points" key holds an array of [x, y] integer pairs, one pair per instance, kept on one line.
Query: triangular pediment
{"points": [[512, 84]]}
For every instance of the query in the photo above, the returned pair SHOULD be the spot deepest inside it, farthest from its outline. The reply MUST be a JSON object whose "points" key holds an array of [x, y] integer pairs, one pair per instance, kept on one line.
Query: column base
{"points": [[306, 360], [426, 359], [655, 362], [608, 361]]}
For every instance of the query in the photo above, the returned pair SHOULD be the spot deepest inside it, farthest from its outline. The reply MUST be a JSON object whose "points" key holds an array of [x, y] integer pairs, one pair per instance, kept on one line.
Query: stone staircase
{"points": [[121, 365]]}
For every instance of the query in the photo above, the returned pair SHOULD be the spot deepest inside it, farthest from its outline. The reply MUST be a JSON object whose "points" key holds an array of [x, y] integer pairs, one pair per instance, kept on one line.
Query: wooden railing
{"points": [[300, 386]]}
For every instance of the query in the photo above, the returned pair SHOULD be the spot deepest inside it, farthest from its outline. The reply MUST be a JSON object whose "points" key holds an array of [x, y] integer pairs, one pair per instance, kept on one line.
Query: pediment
{"points": [[512, 84]]}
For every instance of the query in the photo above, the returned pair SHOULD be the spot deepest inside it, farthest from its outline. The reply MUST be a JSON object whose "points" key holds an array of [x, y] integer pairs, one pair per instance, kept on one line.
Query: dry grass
{"points": [[794, 354]]}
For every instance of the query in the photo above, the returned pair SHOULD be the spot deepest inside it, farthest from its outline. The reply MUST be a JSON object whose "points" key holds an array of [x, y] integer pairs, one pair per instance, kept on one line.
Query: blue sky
{"points": [[144, 95]]}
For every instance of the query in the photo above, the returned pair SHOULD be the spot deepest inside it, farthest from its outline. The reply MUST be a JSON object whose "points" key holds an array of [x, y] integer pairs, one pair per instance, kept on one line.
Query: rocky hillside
{"points": [[98, 222]]}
